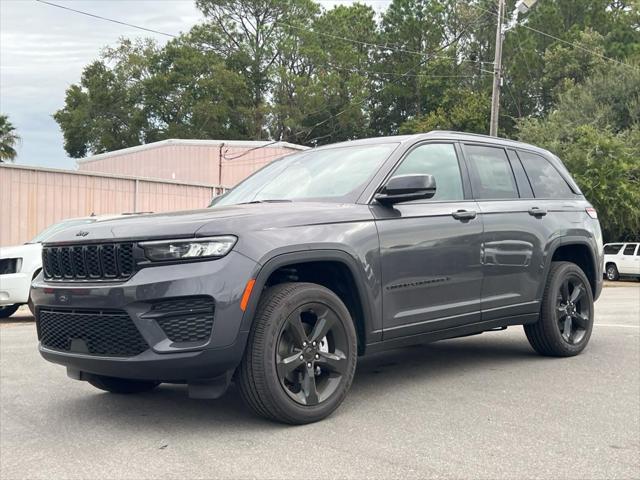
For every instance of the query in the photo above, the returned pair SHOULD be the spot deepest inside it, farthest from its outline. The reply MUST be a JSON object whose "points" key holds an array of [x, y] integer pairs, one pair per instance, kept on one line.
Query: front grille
{"points": [[108, 261], [109, 333], [186, 319]]}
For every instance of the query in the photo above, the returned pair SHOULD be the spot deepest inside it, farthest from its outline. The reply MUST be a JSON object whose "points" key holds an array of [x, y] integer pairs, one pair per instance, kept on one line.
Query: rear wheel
{"points": [[566, 315], [301, 355], [612, 272], [7, 310], [121, 385]]}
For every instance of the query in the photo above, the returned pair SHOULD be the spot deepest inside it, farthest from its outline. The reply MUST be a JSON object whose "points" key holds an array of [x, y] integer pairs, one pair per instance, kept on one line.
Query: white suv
{"points": [[622, 260]]}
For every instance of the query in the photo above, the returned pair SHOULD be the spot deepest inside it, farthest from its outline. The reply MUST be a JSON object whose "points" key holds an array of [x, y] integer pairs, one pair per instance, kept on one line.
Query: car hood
{"points": [[21, 251], [233, 219]]}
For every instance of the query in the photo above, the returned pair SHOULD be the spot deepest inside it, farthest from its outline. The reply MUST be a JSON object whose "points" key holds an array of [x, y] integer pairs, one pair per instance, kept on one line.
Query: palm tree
{"points": [[8, 140]]}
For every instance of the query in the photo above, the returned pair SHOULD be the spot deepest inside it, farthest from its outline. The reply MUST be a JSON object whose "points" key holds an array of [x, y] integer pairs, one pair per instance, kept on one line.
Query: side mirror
{"points": [[405, 188]]}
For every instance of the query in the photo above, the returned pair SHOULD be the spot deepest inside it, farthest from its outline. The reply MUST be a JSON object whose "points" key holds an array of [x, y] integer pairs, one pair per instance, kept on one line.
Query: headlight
{"points": [[167, 250]]}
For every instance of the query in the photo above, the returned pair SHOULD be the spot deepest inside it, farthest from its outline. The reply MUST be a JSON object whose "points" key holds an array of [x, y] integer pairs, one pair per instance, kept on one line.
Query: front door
{"points": [[430, 249]]}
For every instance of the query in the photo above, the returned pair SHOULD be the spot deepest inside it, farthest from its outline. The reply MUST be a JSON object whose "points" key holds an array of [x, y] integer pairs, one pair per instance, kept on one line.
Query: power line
{"points": [[428, 56], [99, 17], [377, 45], [576, 45], [408, 72], [397, 74], [246, 152]]}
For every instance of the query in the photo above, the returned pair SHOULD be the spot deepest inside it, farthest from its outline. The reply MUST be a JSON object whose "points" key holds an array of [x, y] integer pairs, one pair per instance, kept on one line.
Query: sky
{"points": [[43, 50]]}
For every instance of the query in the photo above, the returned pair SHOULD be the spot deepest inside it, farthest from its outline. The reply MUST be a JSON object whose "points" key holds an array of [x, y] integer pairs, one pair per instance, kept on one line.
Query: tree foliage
{"points": [[595, 129], [8, 140], [297, 71]]}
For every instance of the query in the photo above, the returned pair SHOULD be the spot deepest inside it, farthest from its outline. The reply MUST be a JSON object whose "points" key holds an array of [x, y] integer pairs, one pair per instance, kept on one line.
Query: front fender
{"points": [[365, 279]]}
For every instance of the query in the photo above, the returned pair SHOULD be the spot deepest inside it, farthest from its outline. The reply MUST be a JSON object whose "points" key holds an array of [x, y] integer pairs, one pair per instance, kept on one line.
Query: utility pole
{"points": [[522, 7], [497, 73]]}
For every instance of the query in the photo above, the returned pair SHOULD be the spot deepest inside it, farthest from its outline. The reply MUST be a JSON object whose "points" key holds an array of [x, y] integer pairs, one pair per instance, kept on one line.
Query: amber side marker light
{"points": [[247, 294], [591, 212]]}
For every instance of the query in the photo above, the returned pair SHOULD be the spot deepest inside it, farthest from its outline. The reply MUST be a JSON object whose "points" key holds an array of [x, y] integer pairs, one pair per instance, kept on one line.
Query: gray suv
{"points": [[321, 257]]}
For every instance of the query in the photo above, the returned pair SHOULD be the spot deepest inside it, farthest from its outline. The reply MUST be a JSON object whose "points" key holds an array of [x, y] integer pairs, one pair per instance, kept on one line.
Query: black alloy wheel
{"points": [[566, 314], [301, 354], [573, 310], [310, 355]]}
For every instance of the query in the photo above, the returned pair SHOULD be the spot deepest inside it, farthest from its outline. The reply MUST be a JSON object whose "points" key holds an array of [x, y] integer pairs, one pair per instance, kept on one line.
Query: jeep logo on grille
{"points": [[82, 233]]}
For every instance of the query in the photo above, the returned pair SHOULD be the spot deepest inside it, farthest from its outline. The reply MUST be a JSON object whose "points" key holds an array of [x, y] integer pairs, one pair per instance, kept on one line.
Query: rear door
{"points": [[514, 231], [629, 260], [430, 249]]}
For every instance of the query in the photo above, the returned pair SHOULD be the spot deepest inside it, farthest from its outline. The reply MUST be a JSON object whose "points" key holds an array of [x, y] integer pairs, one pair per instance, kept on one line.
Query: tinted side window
{"points": [[545, 180], [629, 249], [491, 174], [612, 249], [439, 160]]}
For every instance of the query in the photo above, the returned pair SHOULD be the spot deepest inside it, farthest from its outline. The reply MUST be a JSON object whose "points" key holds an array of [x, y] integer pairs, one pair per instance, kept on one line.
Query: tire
{"points": [[121, 385], [7, 310], [566, 314], [278, 384], [612, 272]]}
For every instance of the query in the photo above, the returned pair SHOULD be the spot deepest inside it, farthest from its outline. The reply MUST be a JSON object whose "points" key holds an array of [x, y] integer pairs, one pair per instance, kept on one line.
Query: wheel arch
{"points": [[580, 251], [315, 266]]}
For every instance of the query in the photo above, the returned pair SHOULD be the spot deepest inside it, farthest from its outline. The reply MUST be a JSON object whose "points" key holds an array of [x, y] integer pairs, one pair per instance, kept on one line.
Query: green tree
{"points": [[8, 140], [462, 109], [322, 90], [251, 32], [139, 93], [293, 70], [595, 130]]}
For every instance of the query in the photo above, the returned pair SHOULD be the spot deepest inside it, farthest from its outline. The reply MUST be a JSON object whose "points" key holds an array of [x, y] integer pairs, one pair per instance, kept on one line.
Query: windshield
{"points": [[58, 227], [329, 174]]}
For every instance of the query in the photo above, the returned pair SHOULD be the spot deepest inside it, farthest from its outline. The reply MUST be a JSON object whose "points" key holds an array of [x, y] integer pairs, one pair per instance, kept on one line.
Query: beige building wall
{"points": [[215, 162], [32, 198]]}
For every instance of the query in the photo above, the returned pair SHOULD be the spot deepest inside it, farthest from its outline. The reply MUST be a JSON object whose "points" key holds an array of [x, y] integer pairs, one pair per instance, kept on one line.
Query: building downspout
{"points": [[135, 195], [220, 164]]}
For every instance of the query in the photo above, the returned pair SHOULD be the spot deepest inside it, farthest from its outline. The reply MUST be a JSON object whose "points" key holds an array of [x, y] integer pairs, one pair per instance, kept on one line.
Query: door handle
{"points": [[537, 212], [464, 214]]}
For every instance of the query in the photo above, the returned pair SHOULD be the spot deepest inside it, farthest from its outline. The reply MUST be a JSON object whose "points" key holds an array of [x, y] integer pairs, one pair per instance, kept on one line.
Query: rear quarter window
{"points": [[545, 180]]}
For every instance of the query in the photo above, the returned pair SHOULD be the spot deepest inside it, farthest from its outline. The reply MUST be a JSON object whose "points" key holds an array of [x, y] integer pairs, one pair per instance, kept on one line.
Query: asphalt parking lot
{"points": [[477, 407]]}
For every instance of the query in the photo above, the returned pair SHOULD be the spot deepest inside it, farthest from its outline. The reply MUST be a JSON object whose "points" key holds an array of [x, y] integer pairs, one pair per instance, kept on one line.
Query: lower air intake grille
{"points": [[186, 319], [109, 333]]}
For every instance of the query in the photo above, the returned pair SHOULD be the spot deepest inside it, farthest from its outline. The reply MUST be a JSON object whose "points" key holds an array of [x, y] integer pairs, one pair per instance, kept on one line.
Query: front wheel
{"points": [[7, 310], [121, 385], [301, 356], [566, 314]]}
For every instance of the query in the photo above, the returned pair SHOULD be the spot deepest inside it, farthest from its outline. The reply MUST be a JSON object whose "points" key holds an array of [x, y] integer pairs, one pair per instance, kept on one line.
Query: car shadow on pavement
{"points": [[376, 375]]}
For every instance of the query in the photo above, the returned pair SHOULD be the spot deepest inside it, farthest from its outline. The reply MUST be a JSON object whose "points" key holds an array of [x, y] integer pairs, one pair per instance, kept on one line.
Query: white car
{"points": [[20, 264], [622, 260]]}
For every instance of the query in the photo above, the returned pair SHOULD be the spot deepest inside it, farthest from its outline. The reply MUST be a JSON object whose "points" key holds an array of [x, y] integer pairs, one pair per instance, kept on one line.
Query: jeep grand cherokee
{"points": [[321, 257]]}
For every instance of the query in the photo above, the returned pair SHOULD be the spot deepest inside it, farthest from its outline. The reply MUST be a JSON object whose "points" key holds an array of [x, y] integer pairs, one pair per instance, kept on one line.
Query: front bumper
{"points": [[165, 360], [14, 288]]}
